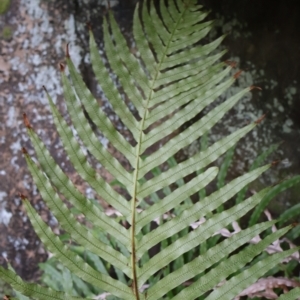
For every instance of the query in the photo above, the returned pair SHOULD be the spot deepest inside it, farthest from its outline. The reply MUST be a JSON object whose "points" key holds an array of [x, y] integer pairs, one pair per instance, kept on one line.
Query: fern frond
{"points": [[171, 80], [275, 191], [31, 289], [257, 162]]}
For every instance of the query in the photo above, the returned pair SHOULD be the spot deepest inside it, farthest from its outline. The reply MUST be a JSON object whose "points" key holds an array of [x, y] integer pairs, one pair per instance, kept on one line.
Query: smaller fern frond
{"points": [[282, 186], [32, 289]]}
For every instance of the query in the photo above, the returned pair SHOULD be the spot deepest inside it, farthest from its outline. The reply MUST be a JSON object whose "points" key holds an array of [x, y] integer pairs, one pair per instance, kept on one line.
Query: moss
{"points": [[6, 33], [4, 4]]}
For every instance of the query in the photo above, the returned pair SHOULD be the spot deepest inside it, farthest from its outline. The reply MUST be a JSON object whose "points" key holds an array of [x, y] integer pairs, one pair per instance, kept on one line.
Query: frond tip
{"points": [[22, 196], [26, 121], [24, 151], [61, 67], [67, 51], [259, 120]]}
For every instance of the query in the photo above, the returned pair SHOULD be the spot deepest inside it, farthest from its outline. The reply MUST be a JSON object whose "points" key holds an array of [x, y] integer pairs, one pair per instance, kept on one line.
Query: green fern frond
{"points": [[30, 289], [291, 295], [172, 79]]}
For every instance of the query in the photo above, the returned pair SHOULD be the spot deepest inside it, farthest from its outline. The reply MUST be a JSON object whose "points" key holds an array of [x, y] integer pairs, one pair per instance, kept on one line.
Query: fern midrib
{"points": [[137, 162]]}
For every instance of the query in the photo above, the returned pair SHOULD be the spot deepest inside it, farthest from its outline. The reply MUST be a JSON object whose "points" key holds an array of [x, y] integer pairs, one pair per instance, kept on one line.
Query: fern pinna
{"points": [[172, 76]]}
